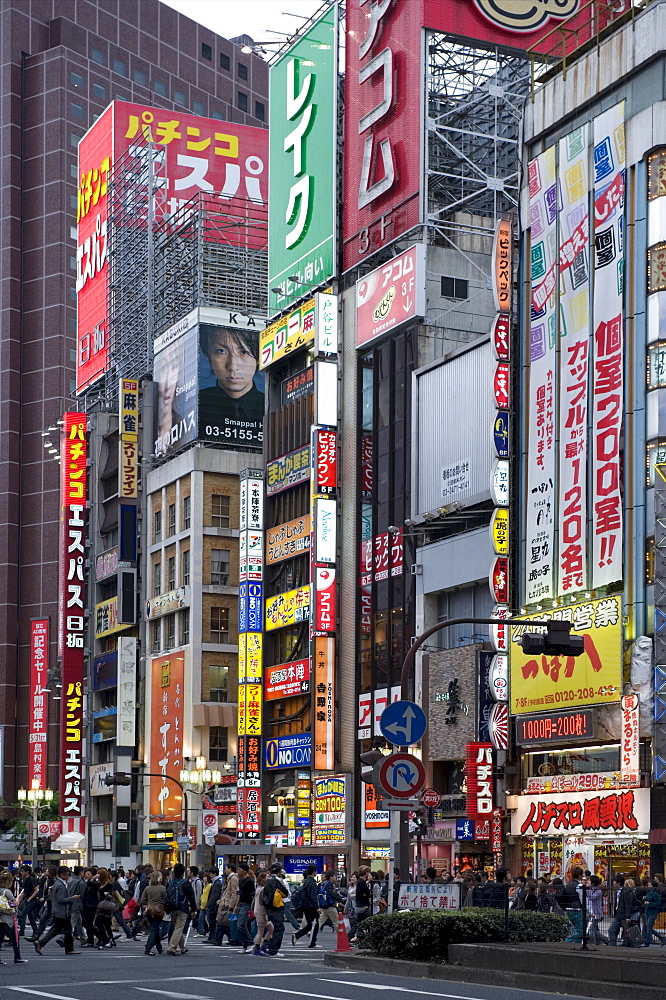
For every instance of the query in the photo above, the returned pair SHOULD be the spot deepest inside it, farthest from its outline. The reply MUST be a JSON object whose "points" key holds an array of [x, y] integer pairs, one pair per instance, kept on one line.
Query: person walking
{"points": [[216, 889], [274, 893], [8, 920], [179, 899], [625, 904], [594, 902], [197, 886], [306, 896], [61, 904], [76, 887], [246, 891], [652, 904], [228, 906], [328, 897], [202, 927], [153, 900], [264, 925], [89, 901], [27, 905]]}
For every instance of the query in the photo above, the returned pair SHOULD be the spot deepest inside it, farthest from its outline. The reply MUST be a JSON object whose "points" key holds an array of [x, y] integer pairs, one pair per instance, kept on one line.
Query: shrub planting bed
{"points": [[426, 936]]}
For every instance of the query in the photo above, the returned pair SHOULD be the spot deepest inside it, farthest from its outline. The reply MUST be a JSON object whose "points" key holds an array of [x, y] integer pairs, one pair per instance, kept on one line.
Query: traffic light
{"points": [[369, 761], [557, 640], [120, 778], [419, 824]]}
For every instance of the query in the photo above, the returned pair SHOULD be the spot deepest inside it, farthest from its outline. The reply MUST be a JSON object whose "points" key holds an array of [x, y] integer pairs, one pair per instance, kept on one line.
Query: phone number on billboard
{"points": [[235, 433], [575, 694]]}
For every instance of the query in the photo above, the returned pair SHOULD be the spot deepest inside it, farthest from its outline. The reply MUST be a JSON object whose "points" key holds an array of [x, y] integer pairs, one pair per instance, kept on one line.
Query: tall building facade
{"points": [[63, 61]]}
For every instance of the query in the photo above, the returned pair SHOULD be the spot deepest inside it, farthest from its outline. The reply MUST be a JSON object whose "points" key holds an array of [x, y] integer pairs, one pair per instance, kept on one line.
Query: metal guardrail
{"points": [[584, 30]]}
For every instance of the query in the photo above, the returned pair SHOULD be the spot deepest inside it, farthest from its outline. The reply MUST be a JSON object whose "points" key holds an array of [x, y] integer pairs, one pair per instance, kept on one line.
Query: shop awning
{"points": [[217, 714], [69, 842]]}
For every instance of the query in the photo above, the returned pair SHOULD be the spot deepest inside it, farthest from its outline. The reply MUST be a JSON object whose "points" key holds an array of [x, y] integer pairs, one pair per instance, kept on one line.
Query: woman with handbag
{"points": [[105, 911], [8, 920], [264, 923], [153, 898]]}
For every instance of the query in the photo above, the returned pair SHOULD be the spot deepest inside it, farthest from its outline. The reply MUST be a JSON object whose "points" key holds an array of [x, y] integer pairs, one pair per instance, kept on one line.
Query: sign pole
{"points": [[394, 839]]}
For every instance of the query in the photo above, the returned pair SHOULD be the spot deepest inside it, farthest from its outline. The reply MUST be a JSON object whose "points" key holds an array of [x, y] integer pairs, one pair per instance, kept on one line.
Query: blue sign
{"points": [[242, 607], [403, 723], [501, 434], [288, 751], [295, 864], [255, 607], [464, 829]]}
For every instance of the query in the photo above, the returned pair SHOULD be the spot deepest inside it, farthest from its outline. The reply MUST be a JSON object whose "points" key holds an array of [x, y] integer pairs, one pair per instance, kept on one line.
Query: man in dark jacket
{"points": [[275, 884], [211, 905], [573, 907], [61, 904], [493, 894], [180, 890], [308, 904]]}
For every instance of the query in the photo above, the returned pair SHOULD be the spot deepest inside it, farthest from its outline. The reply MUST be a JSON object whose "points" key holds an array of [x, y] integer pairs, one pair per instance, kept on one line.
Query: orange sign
{"points": [[166, 736], [502, 266]]}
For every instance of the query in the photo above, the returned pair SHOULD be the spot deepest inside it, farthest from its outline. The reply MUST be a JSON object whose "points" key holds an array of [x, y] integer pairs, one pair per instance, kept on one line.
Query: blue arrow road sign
{"points": [[403, 723]]}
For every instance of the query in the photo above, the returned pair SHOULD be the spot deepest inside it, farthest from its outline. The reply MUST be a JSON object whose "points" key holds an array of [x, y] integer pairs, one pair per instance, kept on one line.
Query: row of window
{"points": [[166, 635], [225, 61], [219, 571], [220, 516], [178, 97]]}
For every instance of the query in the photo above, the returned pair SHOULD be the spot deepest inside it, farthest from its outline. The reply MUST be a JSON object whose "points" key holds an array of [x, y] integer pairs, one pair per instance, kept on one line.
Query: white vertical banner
{"points": [[608, 360], [575, 351], [542, 347], [126, 717]]}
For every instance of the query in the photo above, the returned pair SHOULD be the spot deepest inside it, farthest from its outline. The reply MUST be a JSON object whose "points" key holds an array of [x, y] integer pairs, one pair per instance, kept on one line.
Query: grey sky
{"points": [[248, 17]]}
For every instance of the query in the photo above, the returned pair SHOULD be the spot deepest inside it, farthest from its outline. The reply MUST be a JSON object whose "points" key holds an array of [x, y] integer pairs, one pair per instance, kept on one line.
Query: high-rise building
{"points": [[63, 61]]}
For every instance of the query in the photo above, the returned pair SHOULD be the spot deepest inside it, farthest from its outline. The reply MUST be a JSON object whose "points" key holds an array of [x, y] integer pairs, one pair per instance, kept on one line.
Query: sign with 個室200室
{"points": [[542, 682]]}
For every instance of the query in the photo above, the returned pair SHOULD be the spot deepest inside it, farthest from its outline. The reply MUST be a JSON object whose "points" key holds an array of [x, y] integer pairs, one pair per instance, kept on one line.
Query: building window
{"points": [[219, 683], [185, 627], [220, 511], [159, 88], [206, 52], [73, 201], [98, 56], [140, 78], [217, 744], [178, 97], [170, 628], [218, 116], [157, 579], [76, 110], [155, 636], [259, 111], [242, 71], [454, 288], [187, 512], [99, 91], [119, 67], [171, 573], [76, 80], [74, 140], [225, 62], [219, 625], [219, 567], [157, 526], [172, 520], [186, 567], [242, 101], [466, 602], [198, 108]]}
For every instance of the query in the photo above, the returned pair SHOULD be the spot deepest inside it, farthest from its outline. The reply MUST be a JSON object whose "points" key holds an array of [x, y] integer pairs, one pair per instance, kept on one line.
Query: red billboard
{"points": [[227, 162], [71, 624], [519, 25], [39, 706], [383, 126], [392, 294], [287, 679], [324, 600], [480, 781]]}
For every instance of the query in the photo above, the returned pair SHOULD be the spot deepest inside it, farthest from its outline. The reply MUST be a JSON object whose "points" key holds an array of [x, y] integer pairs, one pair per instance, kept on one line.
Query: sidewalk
{"points": [[606, 973]]}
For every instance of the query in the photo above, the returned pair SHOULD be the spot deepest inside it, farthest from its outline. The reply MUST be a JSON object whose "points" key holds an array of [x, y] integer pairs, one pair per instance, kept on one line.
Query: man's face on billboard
{"points": [[168, 379], [233, 364]]}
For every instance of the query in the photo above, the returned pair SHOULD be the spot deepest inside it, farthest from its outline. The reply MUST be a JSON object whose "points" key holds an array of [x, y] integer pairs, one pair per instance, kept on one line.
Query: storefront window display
{"points": [[604, 858], [469, 862]]}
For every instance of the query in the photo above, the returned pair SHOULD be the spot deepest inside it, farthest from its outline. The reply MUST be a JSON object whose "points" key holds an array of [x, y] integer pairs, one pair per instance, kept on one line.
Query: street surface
{"points": [[207, 973]]}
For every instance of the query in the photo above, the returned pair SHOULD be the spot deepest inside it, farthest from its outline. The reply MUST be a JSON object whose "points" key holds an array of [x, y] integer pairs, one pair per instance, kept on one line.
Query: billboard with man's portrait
{"points": [[231, 389], [175, 394]]}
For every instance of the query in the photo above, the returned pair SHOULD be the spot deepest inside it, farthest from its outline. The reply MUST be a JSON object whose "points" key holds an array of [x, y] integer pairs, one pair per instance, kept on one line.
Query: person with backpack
{"points": [[327, 899], [273, 896], [304, 900], [246, 890], [179, 902], [153, 899]]}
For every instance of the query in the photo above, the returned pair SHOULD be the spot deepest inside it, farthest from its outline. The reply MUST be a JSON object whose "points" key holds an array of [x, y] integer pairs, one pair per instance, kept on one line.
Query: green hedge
{"points": [[426, 936]]}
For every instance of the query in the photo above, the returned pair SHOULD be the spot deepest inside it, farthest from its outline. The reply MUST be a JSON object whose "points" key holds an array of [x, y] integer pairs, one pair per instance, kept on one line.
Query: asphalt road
{"points": [[207, 973]]}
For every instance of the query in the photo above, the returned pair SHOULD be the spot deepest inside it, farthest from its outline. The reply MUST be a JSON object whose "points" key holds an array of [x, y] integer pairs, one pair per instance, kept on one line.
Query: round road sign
{"points": [[430, 798], [401, 775]]}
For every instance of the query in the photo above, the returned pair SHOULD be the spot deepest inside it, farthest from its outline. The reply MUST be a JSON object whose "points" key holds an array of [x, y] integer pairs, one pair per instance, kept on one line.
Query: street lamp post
{"points": [[34, 799]]}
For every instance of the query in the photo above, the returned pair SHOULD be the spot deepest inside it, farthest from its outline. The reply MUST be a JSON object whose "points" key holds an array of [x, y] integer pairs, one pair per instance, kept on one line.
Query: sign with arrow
{"points": [[401, 776], [392, 294], [403, 723]]}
